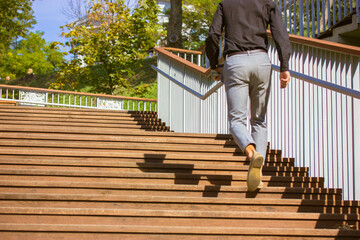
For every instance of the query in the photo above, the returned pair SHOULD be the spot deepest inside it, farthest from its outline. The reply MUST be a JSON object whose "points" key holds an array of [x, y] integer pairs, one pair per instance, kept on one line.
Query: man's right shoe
{"points": [[254, 173]]}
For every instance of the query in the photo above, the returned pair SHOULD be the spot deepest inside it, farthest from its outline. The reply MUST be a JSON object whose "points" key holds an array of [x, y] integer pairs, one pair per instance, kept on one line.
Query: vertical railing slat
{"points": [[301, 17], [318, 19]]}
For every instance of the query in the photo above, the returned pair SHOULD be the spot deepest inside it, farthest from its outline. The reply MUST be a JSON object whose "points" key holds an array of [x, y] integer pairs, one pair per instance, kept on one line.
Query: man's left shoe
{"points": [[254, 173]]}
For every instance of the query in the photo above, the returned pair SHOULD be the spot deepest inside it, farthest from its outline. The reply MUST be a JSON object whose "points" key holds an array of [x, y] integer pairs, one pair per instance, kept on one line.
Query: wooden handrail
{"points": [[191, 65], [183, 50], [338, 47], [76, 93]]}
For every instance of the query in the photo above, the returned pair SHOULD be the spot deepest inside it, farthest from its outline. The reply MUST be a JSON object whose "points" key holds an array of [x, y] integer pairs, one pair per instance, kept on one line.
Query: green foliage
{"points": [[108, 44], [16, 18], [197, 18], [143, 83], [32, 52]]}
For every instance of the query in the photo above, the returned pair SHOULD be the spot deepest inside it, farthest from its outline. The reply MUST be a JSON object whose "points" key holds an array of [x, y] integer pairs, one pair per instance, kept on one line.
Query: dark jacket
{"points": [[245, 23]]}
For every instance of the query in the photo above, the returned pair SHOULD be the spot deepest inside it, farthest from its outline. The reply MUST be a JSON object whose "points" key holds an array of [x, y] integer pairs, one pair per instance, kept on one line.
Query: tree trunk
{"points": [[174, 37]]}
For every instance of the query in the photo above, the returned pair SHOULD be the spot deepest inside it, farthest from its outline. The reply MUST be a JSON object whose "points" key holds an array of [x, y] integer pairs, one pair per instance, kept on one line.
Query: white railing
{"points": [[56, 98], [312, 17], [195, 57], [317, 124], [316, 119], [182, 110]]}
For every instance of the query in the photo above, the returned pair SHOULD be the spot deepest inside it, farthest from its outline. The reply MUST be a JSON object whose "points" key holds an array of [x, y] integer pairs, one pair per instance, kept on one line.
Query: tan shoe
{"points": [[254, 173]]}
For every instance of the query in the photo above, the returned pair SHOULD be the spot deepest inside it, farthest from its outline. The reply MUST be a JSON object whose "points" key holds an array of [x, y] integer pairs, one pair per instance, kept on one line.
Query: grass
{"points": [[39, 81], [143, 83]]}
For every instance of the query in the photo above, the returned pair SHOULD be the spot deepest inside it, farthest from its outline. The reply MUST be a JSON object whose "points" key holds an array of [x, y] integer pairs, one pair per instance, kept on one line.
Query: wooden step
{"points": [[7, 103], [205, 203], [176, 218], [52, 160], [115, 145], [80, 124], [163, 178], [71, 120], [113, 153], [187, 231], [84, 130], [165, 190], [54, 116], [187, 176], [117, 138], [100, 174], [143, 164], [75, 111]]}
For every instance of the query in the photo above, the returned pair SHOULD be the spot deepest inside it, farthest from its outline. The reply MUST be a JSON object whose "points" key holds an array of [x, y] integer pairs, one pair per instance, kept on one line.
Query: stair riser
{"points": [[61, 119], [81, 112], [147, 168], [170, 221], [55, 124], [219, 163], [127, 236], [119, 145], [179, 206], [75, 111], [118, 138], [20, 160], [157, 181], [210, 192]]}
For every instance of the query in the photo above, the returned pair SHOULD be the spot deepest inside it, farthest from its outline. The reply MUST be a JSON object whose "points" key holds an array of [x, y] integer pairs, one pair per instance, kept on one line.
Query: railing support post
{"points": [[356, 127]]}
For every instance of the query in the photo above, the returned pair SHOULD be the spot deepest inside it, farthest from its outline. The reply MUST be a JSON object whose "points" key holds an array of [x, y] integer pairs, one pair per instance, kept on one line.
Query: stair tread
{"points": [[79, 119], [138, 163], [138, 166], [81, 124], [116, 138], [240, 160], [174, 213], [178, 230], [116, 145], [175, 199], [163, 187], [21, 109], [69, 172], [69, 129], [135, 174]]}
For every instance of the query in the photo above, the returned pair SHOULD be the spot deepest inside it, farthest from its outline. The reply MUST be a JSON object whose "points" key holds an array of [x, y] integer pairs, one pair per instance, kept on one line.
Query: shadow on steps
{"points": [[185, 176]]}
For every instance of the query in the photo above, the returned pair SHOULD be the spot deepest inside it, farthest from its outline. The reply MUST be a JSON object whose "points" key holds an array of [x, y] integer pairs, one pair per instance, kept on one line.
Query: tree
{"points": [[197, 18], [174, 34], [16, 18], [32, 52], [108, 43], [75, 9]]}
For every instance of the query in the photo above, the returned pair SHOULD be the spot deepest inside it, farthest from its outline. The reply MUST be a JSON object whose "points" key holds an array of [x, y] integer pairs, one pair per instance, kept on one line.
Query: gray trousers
{"points": [[247, 76]]}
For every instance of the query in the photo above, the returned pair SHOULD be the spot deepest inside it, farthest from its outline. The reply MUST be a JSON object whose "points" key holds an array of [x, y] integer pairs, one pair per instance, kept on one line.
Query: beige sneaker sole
{"points": [[254, 173]]}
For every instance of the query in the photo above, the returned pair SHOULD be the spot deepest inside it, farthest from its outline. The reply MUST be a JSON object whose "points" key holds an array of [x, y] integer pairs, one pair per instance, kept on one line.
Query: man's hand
{"points": [[216, 73], [284, 79]]}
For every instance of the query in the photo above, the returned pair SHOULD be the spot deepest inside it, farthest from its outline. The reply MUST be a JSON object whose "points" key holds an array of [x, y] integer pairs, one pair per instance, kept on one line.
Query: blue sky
{"points": [[49, 17]]}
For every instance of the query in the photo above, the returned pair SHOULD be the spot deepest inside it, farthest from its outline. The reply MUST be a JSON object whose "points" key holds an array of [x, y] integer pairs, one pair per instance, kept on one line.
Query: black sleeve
{"points": [[212, 41], [281, 37]]}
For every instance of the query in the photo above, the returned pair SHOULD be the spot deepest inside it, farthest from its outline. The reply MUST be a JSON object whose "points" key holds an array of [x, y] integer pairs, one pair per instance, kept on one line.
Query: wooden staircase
{"points": [[91, 174]]}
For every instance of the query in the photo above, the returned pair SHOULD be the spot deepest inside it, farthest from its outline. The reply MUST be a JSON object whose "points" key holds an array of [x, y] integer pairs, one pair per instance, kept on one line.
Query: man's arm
{"points": [[212, 41], [281, 39]]}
